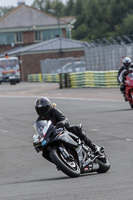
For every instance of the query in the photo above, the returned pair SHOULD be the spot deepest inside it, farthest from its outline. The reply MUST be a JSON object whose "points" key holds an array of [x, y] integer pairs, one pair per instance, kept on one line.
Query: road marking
{"points": [[128, 139], [64, 98], [94, 130], [4, 131]]}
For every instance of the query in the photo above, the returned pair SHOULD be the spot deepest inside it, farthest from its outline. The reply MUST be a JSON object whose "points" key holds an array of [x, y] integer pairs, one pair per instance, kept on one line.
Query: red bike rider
{"points": [[123, 71]]}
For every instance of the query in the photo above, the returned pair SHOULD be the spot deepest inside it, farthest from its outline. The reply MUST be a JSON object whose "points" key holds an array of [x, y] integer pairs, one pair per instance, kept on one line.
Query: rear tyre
{"points": [[70, 168], [104, 165]]}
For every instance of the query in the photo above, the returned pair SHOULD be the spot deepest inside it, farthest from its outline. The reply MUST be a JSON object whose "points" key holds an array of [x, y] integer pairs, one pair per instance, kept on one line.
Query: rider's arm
{"points": [[120, 74], [60, 118], [131, 68]]}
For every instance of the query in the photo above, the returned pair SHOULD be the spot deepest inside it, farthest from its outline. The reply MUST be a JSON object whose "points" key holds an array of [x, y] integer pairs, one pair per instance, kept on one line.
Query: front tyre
{"points": [[131, 104], [104, 165], [70, 168]]}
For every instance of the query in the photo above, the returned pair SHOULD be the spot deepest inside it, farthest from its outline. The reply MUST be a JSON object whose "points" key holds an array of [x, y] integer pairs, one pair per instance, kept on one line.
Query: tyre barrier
{"points": [[81, 79], [94, 79], [43, 78], [35, 77], [50, 77]]}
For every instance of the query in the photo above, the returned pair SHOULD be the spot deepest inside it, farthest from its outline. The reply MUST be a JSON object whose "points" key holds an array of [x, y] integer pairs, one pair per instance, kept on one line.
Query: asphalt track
{"points": [[106, 118]]}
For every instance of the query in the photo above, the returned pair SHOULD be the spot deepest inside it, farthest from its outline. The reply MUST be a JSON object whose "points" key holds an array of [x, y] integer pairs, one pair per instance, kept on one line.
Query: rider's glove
{"points": [[122, 84], [58, 130], [60, 124], [126, 73]]}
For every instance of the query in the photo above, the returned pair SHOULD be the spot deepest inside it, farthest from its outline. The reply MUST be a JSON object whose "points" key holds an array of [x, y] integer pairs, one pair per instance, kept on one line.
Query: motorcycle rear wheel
{"points": [[69, 168], [104, 166]]}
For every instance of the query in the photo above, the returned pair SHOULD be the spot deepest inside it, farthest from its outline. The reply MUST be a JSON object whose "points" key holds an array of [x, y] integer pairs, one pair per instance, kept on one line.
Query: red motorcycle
{"points": [[129, 88]]}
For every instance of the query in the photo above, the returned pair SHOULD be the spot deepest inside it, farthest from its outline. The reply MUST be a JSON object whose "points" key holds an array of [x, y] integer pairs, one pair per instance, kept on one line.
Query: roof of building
{"points": [[49, 46], [68, 19], [25, 16]]}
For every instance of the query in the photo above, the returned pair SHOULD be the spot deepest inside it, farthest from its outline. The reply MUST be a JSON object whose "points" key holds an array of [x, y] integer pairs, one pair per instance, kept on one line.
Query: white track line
{"points": [[3, 131], [64, 98]]}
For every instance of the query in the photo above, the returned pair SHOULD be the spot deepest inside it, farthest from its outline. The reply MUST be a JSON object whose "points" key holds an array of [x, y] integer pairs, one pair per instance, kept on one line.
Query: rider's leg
{"points": [[77, 130], [122, 89]]}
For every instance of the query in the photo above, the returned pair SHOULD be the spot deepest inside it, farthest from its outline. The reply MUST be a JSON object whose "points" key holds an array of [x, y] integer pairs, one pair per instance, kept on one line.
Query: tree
{"points": [[54, 7], [69, 8], [39, 4], [4, 10], [81, 32], [125, 28]]}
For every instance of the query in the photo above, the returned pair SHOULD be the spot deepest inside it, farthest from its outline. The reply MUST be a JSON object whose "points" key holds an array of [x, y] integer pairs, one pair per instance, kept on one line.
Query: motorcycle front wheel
{"points": [[131, 104], [70, 168]]}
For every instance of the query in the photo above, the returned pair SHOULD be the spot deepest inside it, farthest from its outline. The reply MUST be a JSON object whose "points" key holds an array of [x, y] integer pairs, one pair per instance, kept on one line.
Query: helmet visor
{"points": [[126, 65], [42, 111]]}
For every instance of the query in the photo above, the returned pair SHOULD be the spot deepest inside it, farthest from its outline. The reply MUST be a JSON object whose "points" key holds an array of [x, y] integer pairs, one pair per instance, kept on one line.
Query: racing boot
{"points": [[122, 89], [97, 150], [125, 97]]}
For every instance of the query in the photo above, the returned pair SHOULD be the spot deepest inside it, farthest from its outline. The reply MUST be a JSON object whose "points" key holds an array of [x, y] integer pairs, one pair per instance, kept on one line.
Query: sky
{"points": [[14, 2]]}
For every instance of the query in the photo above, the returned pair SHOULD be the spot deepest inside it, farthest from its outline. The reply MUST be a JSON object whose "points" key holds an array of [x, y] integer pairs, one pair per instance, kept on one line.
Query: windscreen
{"points": [[130, 75], [42, 126], [8, 64]]}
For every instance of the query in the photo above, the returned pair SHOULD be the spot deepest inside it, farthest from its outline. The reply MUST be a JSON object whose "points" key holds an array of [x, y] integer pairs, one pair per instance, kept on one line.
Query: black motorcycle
{"points": [[67, 151]]}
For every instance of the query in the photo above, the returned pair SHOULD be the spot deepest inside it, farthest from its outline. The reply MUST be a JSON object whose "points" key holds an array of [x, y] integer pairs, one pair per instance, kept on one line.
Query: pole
{"points": [[60, 48]]}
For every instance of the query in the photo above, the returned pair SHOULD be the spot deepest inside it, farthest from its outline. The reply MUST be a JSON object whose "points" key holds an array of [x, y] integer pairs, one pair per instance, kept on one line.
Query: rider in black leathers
{"points": [[47, 111], [122, 72]]}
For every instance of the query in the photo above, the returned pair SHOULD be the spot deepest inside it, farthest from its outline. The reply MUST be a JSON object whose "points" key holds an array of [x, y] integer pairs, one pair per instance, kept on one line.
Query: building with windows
{"points": [[32, 55], [25, 25]]}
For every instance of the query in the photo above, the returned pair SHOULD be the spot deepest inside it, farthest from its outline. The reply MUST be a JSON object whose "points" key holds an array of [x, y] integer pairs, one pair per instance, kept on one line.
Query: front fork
{"points": [[66, 155]]}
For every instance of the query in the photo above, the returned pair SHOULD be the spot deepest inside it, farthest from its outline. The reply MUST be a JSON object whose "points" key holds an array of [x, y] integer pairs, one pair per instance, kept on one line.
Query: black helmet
{"points": [[127, 62], [43, 106]]}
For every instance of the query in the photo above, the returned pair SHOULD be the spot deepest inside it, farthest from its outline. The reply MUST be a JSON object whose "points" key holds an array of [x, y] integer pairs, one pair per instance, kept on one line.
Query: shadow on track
{"points": [[48, 179], [121, 110]]}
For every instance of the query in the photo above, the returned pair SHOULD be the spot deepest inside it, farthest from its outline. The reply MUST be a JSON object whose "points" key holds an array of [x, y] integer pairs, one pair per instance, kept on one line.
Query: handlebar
{"points": [[59, 129]]}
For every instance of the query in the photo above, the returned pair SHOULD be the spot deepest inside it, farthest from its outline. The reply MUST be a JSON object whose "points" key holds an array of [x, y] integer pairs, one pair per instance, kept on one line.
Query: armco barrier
{"points": [[81, 79]]}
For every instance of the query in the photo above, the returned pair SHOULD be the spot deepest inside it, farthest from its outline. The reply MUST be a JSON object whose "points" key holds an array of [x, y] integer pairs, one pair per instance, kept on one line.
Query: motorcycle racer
{"points": [[47, 111], [122, 72]]}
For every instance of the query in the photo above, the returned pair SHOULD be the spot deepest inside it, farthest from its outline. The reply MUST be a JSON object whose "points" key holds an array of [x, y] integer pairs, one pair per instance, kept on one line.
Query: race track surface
{"points": [[107, 119]]}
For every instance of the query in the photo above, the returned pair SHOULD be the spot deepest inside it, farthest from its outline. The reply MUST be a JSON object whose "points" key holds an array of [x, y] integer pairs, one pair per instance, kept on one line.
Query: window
{"points": [[37, 35], [57, 33], [2, 38], [6, 38], [9, 38], [18, 37], [46, 35]]}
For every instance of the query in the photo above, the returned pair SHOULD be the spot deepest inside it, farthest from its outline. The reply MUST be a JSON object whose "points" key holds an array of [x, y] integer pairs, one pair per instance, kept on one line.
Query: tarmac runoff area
{"points": [[52, 90]]}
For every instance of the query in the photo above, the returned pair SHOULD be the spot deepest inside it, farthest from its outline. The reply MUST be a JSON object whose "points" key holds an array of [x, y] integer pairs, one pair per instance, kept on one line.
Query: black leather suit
{"points": [[58, 118], [122, 72]]}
